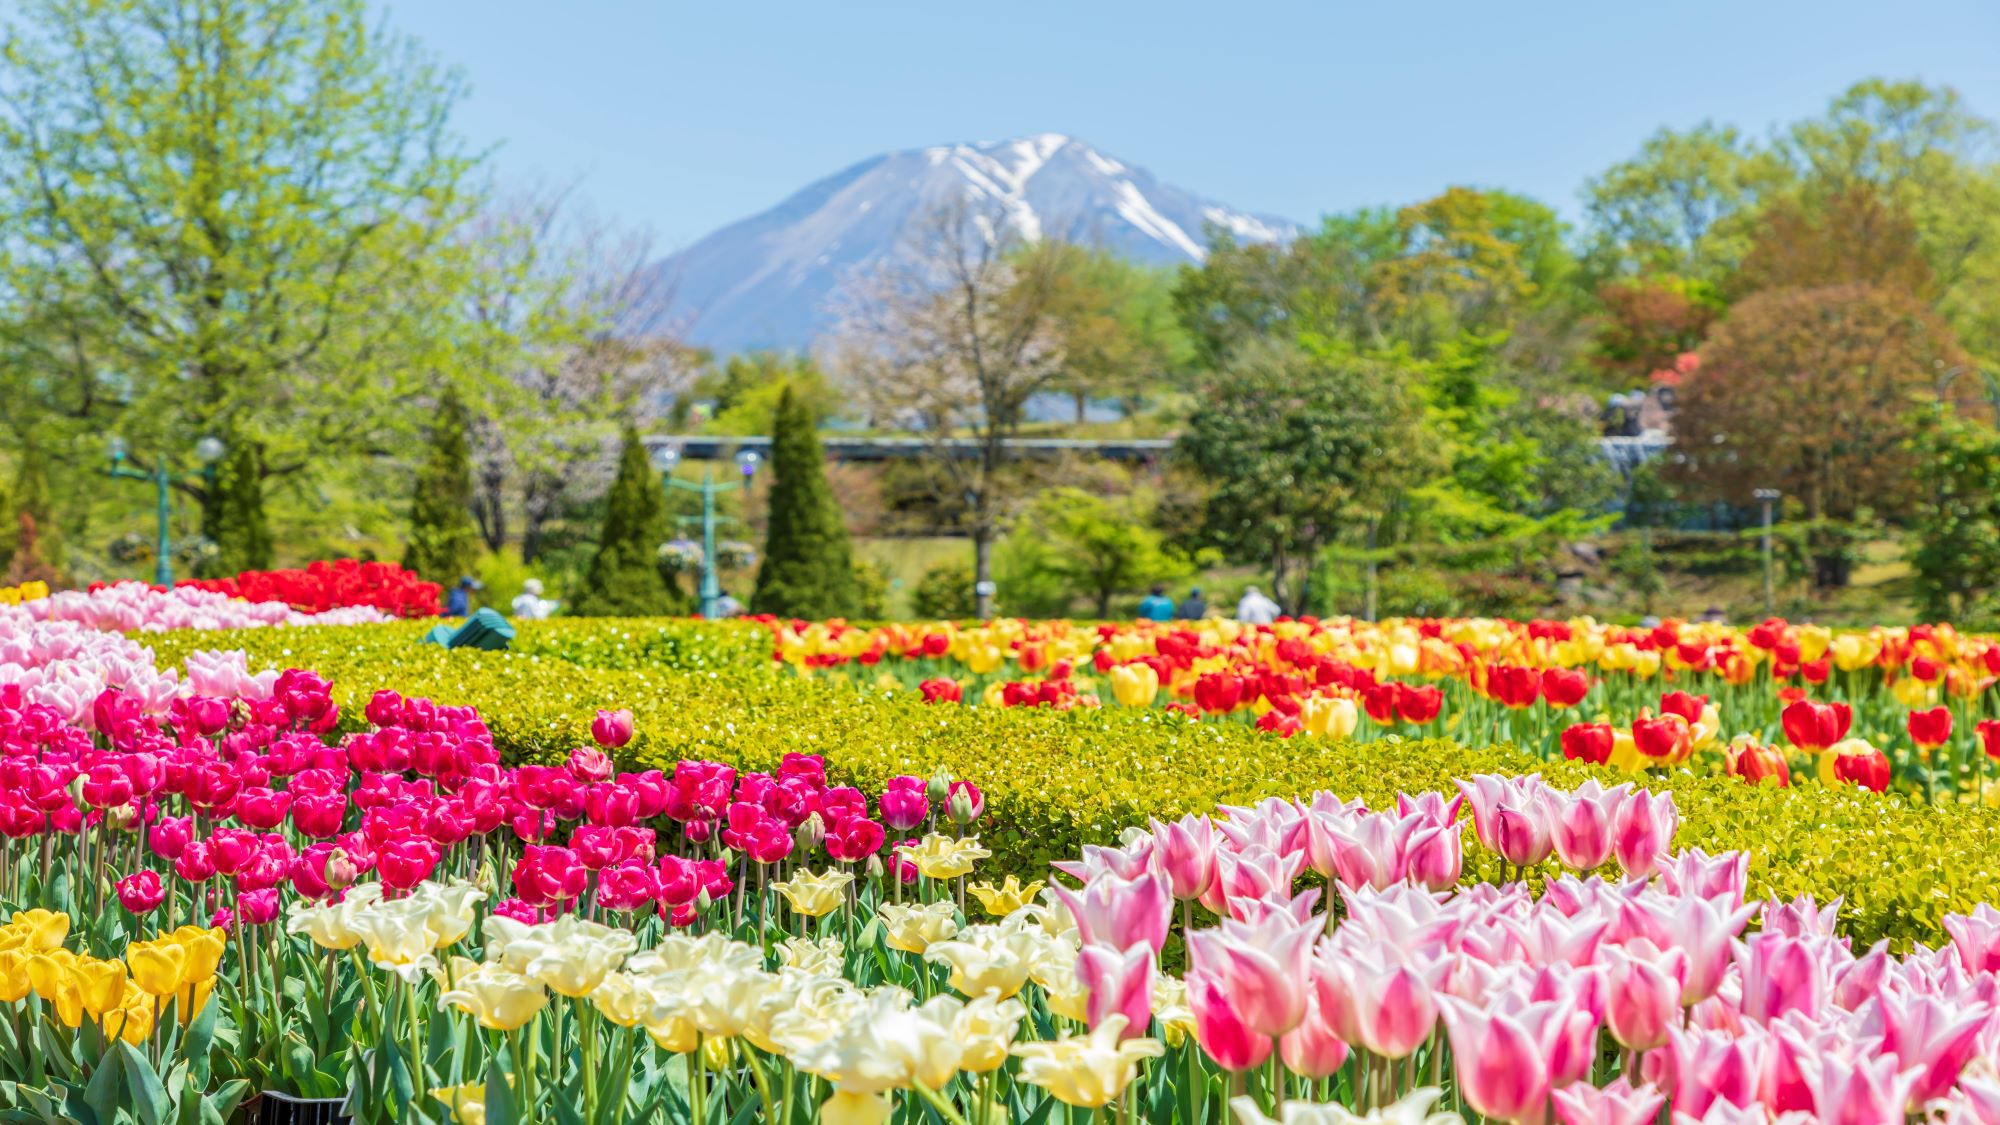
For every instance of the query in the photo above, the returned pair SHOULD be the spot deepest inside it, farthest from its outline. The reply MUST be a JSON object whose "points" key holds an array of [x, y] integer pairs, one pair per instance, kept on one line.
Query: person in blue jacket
{"points": [[458, 603], [1157, 606]]}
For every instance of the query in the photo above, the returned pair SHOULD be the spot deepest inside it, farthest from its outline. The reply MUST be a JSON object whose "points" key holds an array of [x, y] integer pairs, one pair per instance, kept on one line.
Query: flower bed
{"points": [[136, 607], [391, 915], [1056, 782], [1902, 707], [333, 584]]}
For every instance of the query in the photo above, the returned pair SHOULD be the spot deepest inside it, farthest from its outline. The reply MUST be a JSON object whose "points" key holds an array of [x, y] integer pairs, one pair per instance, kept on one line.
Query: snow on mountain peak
{"points": [[766, 281]]}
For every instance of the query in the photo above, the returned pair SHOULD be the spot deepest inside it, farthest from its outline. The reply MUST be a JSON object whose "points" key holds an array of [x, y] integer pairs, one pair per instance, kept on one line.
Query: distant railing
{"points": [[704, 447]]}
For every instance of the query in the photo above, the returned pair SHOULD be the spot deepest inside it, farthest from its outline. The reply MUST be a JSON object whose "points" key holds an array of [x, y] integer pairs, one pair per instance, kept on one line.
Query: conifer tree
{"points": [[232, 513], [808, 565], [624, 579], [443, 543]]}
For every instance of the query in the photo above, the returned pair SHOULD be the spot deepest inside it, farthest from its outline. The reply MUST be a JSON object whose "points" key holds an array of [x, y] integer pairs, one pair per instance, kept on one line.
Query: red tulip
{"points": [[1989, 734], [1867, 768], [941, 690], [1661, 738], [1589, 742], [1380, 702], [1813, 727], [1687, 706], [1564, 687], [1418, 705], [1930, 729], [1513, 686], [1757, 763]]}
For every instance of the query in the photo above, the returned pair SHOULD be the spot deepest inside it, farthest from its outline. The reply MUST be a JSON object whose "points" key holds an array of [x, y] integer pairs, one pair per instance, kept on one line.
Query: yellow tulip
{"points": [[824, 957], [1134, 685], [1086, 1071], [43, 930], [986, 959], [940, 857], [1852, 651], [913, 929], [853, 1107], [1914, 693], [495, 996], [100, 985], [575, 955], [467, 1103], [1004, 899], [14, 982], [981, 658], [623, 998], [204, 950], [158, 967], [1814, 640], [192, 998], [995, 694], [48, 971], [814, 895], [1332, 716], [985, 1030], [673, 1034], [132, 1023]]}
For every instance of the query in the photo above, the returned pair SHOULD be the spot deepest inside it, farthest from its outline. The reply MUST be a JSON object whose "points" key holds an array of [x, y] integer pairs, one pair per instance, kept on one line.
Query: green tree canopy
{"points": [[624, 578], [1298, 443], [443, 543]]}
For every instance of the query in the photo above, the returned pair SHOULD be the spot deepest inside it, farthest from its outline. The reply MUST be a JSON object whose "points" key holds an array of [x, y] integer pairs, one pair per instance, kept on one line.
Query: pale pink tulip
{"points": [[1581, 824], [1615, 1104], [1120, 984], [1261, 968], [1642, 999], [1312, 1049], [1927, 1033], [1704, 931], [1433, 858], [1120, 912], [1502, 1065], [1432, 806], [1975, 937], [1511, 816], [1696, 874], [1781, 974], [1220, 1029], [1643, 832], [1859, 1091], [1703, 1068], [1184, 852], [1804, 917]]}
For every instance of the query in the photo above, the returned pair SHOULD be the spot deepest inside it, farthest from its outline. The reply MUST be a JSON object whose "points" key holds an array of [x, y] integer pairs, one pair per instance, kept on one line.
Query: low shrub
{"points": [[1055, 781]]}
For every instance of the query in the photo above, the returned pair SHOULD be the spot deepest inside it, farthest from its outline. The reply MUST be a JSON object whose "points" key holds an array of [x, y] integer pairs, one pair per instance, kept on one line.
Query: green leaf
{"points": [[500, 1108], [148, 1098]]}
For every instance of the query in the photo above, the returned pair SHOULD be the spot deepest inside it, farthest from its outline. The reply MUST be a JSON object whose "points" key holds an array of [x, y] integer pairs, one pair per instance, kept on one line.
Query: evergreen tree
{"points": [[232, 513], [624, 578], [808, 565], [444, 544]]}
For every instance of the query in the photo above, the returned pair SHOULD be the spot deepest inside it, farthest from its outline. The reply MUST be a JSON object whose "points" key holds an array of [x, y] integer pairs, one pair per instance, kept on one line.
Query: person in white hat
{"points": [[529, 603]]}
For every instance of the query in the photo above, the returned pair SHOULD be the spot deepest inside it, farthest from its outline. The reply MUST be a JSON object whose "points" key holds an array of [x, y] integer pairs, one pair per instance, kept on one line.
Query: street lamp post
{"points": [[208, 451], [1767, 497], [746, 461]]}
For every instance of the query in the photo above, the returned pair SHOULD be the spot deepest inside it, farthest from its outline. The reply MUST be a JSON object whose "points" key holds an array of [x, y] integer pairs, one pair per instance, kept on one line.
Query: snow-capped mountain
{"points": [[766, 281]]}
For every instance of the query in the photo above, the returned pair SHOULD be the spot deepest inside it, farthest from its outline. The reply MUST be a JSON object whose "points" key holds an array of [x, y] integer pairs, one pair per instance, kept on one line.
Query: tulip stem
{"points": [[758, 1076], [943, 1107], [697, 1104]]}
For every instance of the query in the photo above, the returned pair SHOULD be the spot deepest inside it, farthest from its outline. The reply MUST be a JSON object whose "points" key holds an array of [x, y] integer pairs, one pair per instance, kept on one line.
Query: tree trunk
{"points": [[1104, 605], [1081, 403], [982, 573]]}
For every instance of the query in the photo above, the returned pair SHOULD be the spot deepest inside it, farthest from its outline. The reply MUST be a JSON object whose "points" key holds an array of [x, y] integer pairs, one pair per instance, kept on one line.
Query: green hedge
{"points": [[1057, 780]]}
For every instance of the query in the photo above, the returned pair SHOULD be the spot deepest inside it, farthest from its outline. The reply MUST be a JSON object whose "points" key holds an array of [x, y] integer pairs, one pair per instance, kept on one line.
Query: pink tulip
{"points": [[1859, 1091], [141, 892], [1860, 980], [1184, 852], [1312, 1049], [1938, 1038], [1434, 857], [1643, 832], [1696, 874], [1615, 1104], [1256, 872], [1120, 984], [612, 729], [1706, 1068], [1781, 974], [1260, 968], [1502, 1066], [589, 764], [1120, 912], [1432, 806], [1975, 937], [1582, 824], [1367, 851], [1805, 917], [1703, 930], [1395, 1008], [1511, 816], [1220, 1029], [1642, 999]]}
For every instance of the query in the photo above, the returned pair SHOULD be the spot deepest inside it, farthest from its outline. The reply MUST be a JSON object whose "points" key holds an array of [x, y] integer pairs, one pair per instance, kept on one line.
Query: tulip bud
{"points": [[121, 818], [341, 872], [874, 867], [939, 786], [702, 901], [810, 833], [961, 808], [967, 803]]}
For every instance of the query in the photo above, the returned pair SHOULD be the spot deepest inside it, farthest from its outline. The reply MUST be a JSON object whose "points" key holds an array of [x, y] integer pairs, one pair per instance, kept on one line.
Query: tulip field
{"points": [[264, 857]]}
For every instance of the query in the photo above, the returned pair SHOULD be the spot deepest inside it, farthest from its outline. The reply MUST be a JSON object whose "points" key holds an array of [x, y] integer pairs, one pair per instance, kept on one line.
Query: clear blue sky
{"points": [[684, 116]]}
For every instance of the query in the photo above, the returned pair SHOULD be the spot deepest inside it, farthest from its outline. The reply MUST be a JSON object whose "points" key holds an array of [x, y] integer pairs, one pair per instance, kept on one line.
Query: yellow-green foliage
{"points": [[1057, 780]]}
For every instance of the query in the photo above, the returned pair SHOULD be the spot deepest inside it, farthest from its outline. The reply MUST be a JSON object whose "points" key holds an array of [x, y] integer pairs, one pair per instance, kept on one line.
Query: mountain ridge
{"points": [[766, 281]]}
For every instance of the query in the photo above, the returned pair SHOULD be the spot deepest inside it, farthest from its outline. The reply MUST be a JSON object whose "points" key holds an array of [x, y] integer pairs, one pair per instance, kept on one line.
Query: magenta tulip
{"points": [[1184, 852], [1220, 1029], [1581, 824], [1781, 974], [141, 892], [612, 729]]}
